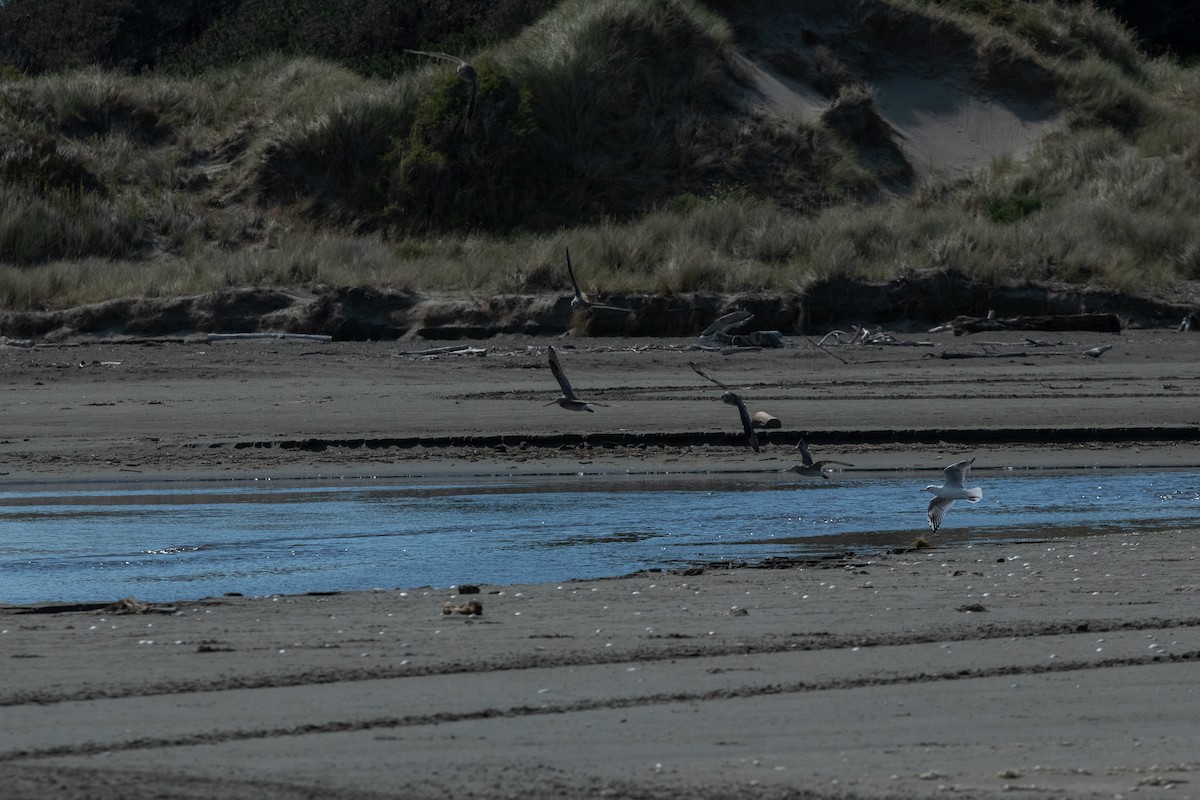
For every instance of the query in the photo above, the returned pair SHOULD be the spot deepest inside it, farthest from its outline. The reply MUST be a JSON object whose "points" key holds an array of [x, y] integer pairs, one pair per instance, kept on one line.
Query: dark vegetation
{"points": [[38, 36], [159, 147], [190, 36]]}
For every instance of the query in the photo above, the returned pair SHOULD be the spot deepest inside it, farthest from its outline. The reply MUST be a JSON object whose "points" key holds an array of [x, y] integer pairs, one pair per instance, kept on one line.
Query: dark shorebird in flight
{"points": [[733, 399], [581, 300], [465, 71], [810, 468], [567, 399], [952, 489]]}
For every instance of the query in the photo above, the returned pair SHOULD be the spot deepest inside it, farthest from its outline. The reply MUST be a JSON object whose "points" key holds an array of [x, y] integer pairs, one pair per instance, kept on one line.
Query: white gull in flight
{"points": [[951, 490]]}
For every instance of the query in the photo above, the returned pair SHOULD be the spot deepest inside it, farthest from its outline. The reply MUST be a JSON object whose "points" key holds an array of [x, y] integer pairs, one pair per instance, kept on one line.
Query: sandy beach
{"points": [[1046, 667]]}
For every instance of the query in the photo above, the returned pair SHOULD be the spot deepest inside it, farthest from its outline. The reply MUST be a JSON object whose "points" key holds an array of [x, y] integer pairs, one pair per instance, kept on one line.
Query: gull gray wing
{"points": [[559, 375], [957, 473], [733, 399], [574, 283], [444, 56], [805, 456], [938, 507], [821, 464]]}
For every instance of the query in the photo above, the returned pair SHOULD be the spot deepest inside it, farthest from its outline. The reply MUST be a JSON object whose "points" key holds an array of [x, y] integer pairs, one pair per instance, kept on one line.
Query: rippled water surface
{"points": [[174, 542]]}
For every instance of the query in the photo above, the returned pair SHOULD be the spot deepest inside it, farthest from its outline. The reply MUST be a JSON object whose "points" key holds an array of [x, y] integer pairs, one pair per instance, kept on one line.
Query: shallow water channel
{"points": [[161, 542]]}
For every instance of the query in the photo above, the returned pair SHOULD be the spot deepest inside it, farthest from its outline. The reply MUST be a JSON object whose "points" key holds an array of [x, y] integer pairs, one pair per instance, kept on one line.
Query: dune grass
{"points": [[613, 127]]}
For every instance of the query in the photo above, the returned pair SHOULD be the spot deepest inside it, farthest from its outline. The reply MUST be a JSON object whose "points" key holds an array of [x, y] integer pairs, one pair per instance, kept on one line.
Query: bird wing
{"points": [[445, 56], [603, 307], [938, 507], [560, 376], [805, 456], [705, 375], [751, 436], [821, 464], [957, 473], [571, 271]]}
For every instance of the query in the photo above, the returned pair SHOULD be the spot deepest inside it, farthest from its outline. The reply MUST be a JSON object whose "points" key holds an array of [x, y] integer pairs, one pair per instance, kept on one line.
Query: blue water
{"points": [[169, 542]]}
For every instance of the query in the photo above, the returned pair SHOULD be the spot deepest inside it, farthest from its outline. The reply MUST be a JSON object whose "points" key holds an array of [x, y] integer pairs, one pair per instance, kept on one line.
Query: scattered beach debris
{"points": [[129, 605], [1101, 323], [471, 608], [971, 608], [717, 336], [762, 419], [468, 588], [865, 336], [454, 349], [303, 337]]}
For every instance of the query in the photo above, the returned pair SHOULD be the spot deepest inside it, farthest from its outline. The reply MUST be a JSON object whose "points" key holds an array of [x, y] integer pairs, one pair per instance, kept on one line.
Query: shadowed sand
{"points": [[1060, 667]]}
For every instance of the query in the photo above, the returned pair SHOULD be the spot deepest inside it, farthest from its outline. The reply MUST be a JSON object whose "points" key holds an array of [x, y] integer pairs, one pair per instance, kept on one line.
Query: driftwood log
{"points": [[1101, 323]]}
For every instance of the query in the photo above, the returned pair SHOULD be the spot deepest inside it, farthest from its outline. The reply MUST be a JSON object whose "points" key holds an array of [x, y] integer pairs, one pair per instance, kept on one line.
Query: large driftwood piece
{"points": [[1102, 323]]}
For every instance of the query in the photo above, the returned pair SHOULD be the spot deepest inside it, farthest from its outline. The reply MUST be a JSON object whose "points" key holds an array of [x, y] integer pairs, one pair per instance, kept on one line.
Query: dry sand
{"points": [[1061, 668]]}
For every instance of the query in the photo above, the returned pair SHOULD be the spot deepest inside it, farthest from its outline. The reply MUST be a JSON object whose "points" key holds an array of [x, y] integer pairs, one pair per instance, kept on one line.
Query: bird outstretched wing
{"points": [[733, 399], [938, 507], [706, 376], [560, 376], [579, 295], [957, 473]]}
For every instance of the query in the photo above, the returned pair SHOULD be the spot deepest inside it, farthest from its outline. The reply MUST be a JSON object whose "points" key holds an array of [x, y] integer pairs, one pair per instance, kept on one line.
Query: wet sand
{"points": [[1062, 668]]}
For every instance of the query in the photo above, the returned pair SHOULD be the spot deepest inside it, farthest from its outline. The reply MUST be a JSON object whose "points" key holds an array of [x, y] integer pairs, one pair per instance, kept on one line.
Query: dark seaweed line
{"points": [[219, 737], [965, 436]]}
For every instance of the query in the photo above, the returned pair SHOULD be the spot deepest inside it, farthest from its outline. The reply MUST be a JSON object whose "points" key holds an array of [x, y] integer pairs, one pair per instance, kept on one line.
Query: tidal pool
{"points": [[161, 542]]}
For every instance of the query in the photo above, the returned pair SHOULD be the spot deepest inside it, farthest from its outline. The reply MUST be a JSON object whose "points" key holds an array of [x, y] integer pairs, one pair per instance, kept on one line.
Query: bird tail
{"points": [[974, 495]]}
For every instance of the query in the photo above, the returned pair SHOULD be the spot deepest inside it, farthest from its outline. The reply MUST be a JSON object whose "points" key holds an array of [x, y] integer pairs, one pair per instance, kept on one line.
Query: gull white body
{"points": [[952, 489]]}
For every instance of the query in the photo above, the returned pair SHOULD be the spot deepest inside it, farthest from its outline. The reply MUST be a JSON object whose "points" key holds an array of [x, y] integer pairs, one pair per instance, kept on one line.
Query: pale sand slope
{"points": [[865, 677]]}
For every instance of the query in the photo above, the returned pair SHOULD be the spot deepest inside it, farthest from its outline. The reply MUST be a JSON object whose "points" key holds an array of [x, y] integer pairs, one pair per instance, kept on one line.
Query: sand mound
{"points": [[951, 105]]}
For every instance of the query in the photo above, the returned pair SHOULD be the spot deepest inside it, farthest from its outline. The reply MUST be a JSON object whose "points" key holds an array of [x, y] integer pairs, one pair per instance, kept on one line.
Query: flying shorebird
{"points": [[465, 71], [951, 490], [567, 399], [733, 399], [810, 468], [581, 300]]}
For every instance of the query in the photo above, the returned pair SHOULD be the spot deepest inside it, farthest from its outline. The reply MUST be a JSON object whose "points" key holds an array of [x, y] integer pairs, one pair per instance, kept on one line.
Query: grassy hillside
{"points": [[630, 130]]}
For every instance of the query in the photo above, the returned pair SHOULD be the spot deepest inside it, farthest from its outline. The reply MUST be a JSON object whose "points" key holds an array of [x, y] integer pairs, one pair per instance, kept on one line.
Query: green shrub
{"points": [[1005, 210]]}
